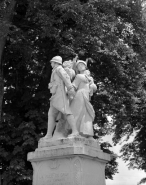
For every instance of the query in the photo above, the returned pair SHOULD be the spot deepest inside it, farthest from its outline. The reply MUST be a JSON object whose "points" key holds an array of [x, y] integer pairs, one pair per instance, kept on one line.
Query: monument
{"points": [[69, 155]]}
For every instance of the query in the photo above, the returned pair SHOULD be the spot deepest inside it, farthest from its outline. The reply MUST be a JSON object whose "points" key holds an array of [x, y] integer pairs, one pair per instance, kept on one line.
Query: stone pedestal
{"points": [[70, 161]]}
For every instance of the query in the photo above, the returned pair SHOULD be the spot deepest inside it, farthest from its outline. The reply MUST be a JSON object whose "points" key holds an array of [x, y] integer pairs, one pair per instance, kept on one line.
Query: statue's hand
{"points": [[49, 85], [71, 93]]}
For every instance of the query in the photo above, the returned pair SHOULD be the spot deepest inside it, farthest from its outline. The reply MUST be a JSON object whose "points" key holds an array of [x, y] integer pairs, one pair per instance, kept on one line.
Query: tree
{"points": [[6, 14], [113, 34], [22, 100], [110, 32], [26, 76]]}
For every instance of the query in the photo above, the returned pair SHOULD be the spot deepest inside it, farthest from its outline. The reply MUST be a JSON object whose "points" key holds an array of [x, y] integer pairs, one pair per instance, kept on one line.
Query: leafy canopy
{"points": [[112, 33]]}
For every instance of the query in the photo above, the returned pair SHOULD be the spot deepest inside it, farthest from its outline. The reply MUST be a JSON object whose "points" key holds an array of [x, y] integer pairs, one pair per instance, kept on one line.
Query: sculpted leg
{"points": [[60, 131], [71, 121], [52, 114]]}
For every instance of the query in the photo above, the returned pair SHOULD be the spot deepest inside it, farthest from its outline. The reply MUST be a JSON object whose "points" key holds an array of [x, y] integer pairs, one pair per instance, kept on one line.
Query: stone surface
{"points": [[62, 159], [76, 141], [70, 161], [71, 111]]}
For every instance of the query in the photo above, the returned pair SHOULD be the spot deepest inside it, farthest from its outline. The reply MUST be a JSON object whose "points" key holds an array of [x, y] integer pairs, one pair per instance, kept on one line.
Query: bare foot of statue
{"points": [[74, 134], [46, 137], [58, 135]]}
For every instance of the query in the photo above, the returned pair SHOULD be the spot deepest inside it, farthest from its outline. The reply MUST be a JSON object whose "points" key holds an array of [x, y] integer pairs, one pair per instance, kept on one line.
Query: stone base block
{"points": [[71, 161]]}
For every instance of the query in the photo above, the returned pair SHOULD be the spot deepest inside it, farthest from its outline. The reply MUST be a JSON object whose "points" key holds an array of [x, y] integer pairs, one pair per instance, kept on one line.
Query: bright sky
{"points": [[125, 176]]}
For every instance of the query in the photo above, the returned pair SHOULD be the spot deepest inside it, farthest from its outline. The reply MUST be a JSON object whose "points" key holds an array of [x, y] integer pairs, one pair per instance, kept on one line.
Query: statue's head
{"points": [[87, 72], [81, 65], [68, 64], [57, 60]]}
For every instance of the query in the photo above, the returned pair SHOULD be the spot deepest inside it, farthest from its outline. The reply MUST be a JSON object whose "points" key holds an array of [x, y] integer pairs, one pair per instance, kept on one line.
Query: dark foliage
{"points": [[112, 33]]}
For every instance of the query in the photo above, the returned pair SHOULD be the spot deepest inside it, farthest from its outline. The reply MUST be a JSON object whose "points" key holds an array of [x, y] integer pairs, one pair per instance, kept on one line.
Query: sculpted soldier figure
{"points": [[59, 102]]}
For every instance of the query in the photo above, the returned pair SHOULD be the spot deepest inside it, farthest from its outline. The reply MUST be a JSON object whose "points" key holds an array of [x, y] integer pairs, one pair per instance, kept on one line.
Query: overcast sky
{"points": [[125, 176]]}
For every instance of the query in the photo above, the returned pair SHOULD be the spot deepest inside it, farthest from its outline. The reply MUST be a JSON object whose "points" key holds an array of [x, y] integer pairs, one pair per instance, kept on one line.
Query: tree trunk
{"points": [[6, 17], [2, 44]]}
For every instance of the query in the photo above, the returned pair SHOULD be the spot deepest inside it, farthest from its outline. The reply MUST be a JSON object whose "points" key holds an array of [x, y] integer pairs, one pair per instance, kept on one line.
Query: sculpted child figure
{"points": [[59, 102], [68, 65]]}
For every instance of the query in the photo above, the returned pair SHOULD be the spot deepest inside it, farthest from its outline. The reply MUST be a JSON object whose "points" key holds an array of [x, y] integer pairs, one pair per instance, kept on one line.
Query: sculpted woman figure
{"points": [[80, 106]]}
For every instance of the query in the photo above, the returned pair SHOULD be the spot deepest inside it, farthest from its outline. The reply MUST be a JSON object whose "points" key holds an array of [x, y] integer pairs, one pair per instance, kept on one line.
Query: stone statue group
{"points": [[71, 113]]}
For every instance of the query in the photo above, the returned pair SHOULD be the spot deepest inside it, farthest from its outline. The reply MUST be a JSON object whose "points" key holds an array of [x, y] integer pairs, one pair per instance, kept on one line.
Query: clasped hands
{"points": [[71, 93]]}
